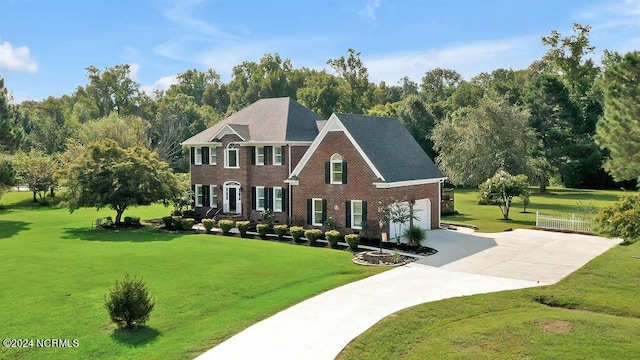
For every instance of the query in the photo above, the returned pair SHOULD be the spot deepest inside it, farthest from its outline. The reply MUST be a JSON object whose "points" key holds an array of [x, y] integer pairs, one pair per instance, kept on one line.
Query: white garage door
{"points": [[422, 211]]}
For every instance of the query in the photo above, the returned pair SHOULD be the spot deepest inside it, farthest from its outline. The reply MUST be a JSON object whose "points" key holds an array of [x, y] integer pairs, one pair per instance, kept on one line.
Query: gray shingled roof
{"points": [[266, 120], [390, 147]]}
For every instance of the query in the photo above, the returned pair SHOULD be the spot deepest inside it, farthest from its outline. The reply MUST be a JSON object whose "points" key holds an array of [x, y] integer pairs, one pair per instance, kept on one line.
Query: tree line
{"points": [[563, 120]]}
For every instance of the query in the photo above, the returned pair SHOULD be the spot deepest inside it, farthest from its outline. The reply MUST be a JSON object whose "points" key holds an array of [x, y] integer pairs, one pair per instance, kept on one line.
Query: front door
{"points": [[232, 203], [233, 197]]}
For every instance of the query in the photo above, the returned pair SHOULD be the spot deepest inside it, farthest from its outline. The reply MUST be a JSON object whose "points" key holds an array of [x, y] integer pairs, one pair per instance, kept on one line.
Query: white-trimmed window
{"points": [[260, 198], [259, 155], [316, 212], [277, 155], [199, 195], [231, 157], [336, 169], [356, 214], [198, 156], [213, 156], [213, 196], [277, 199]]}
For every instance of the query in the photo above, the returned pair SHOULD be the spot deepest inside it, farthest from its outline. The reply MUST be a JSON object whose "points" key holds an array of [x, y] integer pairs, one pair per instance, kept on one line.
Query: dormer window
{"points": [[336, 170], [231, 157]]}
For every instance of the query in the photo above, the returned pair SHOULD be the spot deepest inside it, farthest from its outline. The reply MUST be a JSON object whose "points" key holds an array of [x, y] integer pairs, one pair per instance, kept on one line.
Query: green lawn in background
{"points": [[56, 271], [558, 201], [594, 315]]}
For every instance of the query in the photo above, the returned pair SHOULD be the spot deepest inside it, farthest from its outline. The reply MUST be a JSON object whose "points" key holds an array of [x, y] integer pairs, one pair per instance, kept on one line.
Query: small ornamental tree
{"points": [[129, 303], [621, 219], [36, 170], [501, 189], [106, 175]]}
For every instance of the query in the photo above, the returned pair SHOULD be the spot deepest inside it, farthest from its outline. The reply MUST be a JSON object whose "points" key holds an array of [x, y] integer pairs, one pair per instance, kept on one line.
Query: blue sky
{"points": [[45, 45]]}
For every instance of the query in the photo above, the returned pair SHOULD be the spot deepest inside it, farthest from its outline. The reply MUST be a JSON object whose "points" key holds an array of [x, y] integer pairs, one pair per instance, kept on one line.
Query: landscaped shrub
{"points": [[190, 213], [313, 235], [129, 303], [226, 226], [332, 237], [168, 221], [176, 222], [187, 224], [353, 240], [208, 224], [415, 234], [262, 230], [243, 227], [296, 233], [280, 230], [131, 221]]}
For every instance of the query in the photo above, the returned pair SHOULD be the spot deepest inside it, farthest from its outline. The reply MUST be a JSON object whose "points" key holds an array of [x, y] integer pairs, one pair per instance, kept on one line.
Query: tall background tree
{"points": [[619, 130], [474, 143], [11, 133]]}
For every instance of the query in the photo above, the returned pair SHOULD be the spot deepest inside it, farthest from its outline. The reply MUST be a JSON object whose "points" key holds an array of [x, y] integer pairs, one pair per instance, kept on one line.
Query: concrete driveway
{"points": [[532, 255], [467, 263]]}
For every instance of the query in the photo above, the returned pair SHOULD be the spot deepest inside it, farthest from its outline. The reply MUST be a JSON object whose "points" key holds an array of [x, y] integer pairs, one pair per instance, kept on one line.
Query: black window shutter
{"points": [[193, 155], [205, 155], [344, 172], [254, 201], [347, 209], [309, 211], [268, 155], [364, 213], [285, 200], [269, 197], [205, 195], [327, 172], [324, 211], [193, 195], [282, 152], [253, 155]]}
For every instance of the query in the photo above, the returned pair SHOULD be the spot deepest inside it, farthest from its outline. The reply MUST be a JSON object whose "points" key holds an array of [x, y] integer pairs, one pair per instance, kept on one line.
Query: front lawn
{"points": [[592, 314], [557, 201], [56, 271]]}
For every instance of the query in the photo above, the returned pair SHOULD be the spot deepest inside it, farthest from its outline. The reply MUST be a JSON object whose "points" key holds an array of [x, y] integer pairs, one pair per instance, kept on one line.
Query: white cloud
{"points": [[163, 83], [370, 9], [467, 59], [17, 59], [134, 69]]}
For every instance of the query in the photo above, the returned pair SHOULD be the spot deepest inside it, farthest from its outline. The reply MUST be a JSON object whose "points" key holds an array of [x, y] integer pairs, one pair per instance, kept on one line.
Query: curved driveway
{"points": [[467, 263]]}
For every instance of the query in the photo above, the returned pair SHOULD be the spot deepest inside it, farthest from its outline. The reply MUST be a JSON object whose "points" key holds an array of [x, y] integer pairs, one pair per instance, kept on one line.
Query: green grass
{"points": [[56, 271], [558, 201], [592, 314]]}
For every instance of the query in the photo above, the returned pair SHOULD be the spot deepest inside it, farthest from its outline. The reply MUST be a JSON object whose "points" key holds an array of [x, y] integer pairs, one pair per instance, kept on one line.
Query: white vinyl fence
{"points": [[572, 223]]}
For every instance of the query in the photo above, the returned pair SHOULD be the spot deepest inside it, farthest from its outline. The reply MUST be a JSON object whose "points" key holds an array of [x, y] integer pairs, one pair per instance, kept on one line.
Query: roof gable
{"points": [[384, 143]]}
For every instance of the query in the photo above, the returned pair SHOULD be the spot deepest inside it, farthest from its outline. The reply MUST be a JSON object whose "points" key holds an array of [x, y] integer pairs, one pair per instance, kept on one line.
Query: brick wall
{"points": [[358, 187], [247, 175]]}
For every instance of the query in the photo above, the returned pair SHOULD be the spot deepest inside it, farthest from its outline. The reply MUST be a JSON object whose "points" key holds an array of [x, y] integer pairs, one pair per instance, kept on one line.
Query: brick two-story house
{"points": [[276, 154]]}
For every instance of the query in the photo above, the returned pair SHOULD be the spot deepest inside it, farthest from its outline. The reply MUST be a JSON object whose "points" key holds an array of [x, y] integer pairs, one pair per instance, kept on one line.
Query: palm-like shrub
{"points": [[225, 226], [208, 224], [332, 236], [313, 235], [129, 303], [296, 233], [280, 230], [243, 227], [415, 234], [353, 240]]}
